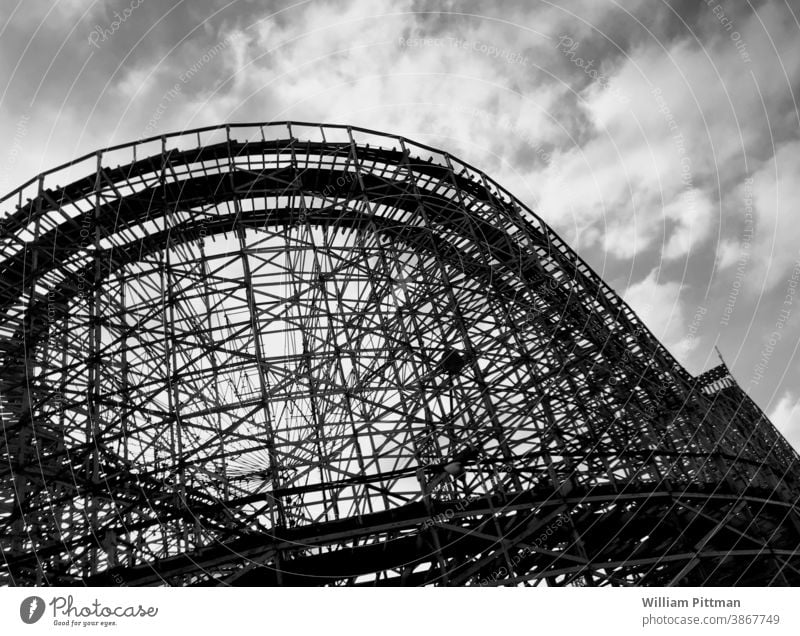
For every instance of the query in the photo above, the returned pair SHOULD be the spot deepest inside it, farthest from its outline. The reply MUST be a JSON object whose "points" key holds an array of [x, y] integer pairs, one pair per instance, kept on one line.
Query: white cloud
{"points": [[692, 212], [660, 307], [786, 418], [776, 193], [693, 112], [728, 253], [634, 176]]}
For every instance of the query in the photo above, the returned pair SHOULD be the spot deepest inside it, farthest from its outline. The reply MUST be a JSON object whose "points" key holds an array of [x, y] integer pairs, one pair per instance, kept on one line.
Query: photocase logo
{"points": [[31, 609]]}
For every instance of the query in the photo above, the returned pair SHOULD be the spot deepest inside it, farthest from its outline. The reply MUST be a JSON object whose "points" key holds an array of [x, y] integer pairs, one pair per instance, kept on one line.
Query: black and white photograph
{"points": [[373, 294]]}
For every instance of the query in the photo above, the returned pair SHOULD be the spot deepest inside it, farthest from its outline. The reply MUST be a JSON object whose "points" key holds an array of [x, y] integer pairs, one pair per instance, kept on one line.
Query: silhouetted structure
{"points": [[305, 354]]}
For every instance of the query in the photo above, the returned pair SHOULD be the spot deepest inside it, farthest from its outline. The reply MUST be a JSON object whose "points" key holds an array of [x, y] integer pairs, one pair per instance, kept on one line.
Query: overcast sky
{"points": [[660, 139]]}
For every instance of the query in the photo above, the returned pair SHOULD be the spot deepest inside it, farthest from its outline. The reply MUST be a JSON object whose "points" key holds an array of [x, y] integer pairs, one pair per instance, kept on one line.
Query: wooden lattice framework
{"points": [[306, 354]]}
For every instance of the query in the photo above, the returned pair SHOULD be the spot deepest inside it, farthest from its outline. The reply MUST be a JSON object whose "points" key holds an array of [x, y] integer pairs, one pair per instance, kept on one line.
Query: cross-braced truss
{"points": [[304, 354]]}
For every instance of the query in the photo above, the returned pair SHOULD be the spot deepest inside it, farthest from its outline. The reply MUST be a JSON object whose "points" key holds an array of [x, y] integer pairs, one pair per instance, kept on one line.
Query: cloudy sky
{"points": [[661, 139]]}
